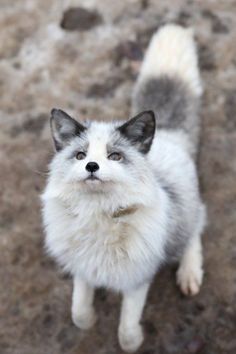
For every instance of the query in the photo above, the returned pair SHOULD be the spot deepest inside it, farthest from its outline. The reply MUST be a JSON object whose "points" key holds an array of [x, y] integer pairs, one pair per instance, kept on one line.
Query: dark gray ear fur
{"points": [[63, 128], [140, 130]]}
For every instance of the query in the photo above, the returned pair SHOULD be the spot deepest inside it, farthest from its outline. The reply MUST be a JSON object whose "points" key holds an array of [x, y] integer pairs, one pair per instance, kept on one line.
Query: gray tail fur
{"points": [[169, 83]]}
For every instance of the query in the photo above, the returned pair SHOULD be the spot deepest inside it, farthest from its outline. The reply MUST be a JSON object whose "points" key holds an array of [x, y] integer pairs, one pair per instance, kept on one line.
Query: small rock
{"points": [[80, 19]]}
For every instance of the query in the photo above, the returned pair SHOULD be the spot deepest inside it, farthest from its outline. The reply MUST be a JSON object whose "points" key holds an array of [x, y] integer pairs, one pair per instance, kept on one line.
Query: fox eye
{"points": [[115, 156], [80, 155]]}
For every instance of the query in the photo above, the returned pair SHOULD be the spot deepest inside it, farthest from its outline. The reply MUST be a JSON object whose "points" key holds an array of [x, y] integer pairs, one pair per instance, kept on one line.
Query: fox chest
{"points": [[107, 253], [102, 242]]}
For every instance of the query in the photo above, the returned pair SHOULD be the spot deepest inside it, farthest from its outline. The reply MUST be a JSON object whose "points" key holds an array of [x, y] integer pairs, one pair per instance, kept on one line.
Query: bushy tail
{"points": [[169, 81]]}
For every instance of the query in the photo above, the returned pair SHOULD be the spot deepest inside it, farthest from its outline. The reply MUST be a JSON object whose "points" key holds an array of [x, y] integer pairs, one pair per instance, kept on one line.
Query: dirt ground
{"points": [[85, 61]]}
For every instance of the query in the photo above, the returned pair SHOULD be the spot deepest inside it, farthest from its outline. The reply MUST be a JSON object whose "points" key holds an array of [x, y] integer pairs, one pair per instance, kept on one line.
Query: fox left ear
{"points": [[64, 128], [140, 130]]}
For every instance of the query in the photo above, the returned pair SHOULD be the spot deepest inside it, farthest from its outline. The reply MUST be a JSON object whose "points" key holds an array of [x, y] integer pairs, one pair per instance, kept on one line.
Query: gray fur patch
{"points": [[170, 191], [81, 145], [179, 230], [173, 104], [118, 144]]}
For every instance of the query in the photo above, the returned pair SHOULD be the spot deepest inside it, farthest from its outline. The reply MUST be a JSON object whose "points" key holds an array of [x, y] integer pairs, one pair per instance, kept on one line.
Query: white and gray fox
{"points": [[122, 198]]}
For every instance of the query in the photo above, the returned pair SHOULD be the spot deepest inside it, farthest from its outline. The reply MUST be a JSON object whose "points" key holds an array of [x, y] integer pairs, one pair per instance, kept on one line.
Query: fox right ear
{"points": [[64, 128], [140, 130]]}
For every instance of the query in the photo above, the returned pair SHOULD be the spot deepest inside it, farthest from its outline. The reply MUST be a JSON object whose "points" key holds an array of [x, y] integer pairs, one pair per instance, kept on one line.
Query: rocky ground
{"points": [[85, 61]]}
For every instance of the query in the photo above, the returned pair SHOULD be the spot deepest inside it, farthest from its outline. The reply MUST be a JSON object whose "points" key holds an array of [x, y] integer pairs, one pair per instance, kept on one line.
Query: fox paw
{"points": [[84, 320], [189, 279], [130, 339]]}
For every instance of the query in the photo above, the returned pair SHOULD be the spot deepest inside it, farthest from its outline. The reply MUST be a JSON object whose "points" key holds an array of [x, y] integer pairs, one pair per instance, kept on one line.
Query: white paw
{"points": [[84, 320], [189, 279], [130, 339]]}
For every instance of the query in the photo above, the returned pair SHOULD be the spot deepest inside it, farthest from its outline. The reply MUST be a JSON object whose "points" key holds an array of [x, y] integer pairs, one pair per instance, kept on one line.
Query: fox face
{"points": [[101, 156]]}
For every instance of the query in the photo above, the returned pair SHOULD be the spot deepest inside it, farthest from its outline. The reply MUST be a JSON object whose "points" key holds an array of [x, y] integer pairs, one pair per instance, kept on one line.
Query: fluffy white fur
{"points": [[172, 51], [124, 253]]}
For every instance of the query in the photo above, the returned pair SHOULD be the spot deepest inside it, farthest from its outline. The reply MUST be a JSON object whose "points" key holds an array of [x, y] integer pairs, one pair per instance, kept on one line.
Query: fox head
{"points": [[100, 156]]}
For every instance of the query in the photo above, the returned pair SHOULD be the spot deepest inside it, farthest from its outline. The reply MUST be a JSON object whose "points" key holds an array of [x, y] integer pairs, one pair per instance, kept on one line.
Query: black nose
{"points": [[92, 167]]}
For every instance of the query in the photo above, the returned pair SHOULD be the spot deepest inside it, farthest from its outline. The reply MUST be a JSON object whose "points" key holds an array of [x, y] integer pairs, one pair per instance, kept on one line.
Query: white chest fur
{"points": [[118, 250]]}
